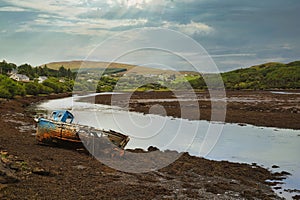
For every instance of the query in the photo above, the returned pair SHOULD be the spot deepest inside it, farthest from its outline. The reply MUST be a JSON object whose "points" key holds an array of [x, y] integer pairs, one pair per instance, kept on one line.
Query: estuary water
{"points": [[217, 141]]}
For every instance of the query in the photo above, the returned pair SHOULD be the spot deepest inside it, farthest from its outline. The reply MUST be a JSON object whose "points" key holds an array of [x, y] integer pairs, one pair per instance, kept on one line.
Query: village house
{"points": [[42, 79], [20, 77]]}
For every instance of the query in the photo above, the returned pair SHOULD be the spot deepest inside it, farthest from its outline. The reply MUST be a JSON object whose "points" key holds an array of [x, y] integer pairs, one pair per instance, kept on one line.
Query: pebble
{"points": [[80, 167], [275, 166], [40, 171]]}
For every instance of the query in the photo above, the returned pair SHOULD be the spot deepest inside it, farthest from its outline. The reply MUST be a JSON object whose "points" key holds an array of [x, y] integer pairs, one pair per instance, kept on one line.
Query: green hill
{"points": [[265, 76]]}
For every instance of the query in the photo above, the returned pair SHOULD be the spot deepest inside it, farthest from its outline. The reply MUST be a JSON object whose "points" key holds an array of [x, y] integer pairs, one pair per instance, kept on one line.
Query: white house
{"points": [[42, 79], [20, 77]]}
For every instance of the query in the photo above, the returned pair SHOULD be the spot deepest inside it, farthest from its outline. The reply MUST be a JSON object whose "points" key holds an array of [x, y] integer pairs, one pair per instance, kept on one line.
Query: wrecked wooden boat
{"points": [[59, 128]]}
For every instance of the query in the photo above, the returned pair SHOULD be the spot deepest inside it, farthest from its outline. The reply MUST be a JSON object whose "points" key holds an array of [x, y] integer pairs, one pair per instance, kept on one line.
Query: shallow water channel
{"points": [[217, 141]]}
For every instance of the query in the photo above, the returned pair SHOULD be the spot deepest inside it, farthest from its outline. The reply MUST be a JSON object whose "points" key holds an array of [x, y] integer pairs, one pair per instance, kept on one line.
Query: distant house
{"points": [[20, 77], [42, 79]]}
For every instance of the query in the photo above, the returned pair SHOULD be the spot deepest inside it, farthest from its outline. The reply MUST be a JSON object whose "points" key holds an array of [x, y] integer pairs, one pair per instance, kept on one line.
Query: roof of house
{"points": [[20, 76]]}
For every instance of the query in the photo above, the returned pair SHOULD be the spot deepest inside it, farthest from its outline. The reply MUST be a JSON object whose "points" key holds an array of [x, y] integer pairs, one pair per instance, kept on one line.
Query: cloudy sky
{"points": [[235, 33]]}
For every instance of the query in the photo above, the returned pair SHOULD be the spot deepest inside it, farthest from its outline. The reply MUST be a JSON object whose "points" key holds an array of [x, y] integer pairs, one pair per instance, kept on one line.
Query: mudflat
{"points": [[32, 171], [261, 108]]}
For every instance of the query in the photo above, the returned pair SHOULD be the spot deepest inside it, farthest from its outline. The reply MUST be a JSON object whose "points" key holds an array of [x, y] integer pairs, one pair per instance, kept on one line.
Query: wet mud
{"points": [[29, 170]]}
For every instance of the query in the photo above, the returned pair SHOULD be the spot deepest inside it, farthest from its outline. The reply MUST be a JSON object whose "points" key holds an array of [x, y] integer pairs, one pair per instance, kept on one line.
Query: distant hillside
{"points": [[74, 65], [260, 77], [87, 64], [265, 76]]}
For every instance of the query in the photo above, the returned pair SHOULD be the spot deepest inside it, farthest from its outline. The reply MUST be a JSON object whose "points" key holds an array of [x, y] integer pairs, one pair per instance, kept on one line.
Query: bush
{"points": [[105, 88], [32, 88], [54, 84], [4, 93], [45, 90], [10, 88]]}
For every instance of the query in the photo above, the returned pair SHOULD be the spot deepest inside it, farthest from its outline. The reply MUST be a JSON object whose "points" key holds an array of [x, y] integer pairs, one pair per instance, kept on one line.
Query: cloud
{"points": [[233, 55], [226, 29], [191, 28], [138, 4], [12, 9], [74, 8], [86, 17], [94, 27], [70, 17], [65, 8]]}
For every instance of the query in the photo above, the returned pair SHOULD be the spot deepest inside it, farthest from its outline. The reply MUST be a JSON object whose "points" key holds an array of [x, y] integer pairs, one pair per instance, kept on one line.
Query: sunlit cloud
{"points": [[79, 26], [84, 17], [66, 8], [234, 32], [12, 9], [139, 4], [190, 28]]}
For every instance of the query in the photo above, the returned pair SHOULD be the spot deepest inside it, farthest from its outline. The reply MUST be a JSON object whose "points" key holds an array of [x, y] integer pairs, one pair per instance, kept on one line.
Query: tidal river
{"points": [[217, 141]]}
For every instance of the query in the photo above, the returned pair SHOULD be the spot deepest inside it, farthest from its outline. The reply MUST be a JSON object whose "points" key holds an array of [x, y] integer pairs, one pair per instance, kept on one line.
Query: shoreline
{"points": [[36, 171], [258, 108]]}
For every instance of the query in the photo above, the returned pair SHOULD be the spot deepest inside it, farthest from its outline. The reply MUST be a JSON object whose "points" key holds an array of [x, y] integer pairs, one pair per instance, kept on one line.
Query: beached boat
{"points": [[59, 128]]}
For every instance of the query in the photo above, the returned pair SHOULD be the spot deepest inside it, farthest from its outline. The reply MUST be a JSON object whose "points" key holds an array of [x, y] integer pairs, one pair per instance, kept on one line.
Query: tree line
{"points": [[10, 88], [260, 77], [35, 72], [58, 81]]}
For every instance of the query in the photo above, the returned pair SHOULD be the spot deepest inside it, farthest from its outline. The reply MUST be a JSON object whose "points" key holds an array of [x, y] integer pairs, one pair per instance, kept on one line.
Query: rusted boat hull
{"points": [[51, 131]]}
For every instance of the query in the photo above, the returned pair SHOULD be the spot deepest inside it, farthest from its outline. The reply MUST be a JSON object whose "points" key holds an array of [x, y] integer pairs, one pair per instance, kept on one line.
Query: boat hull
{"points": [[51, 131]]}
